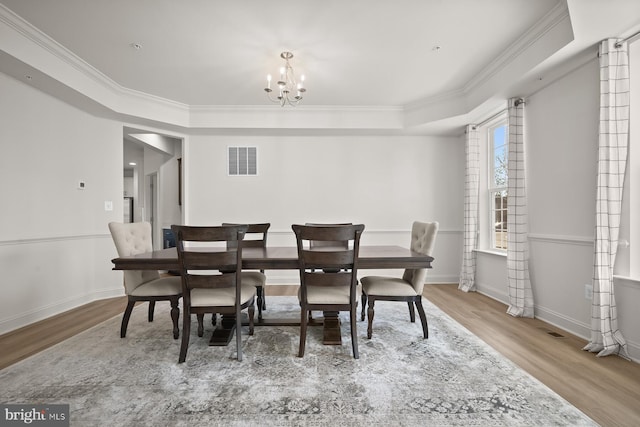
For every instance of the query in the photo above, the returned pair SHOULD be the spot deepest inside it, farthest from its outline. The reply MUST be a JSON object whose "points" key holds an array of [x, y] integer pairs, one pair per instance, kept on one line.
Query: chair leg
{"points": [[363, 298], [175, 314], [370, 314], [239, 334], [126, 317], [303, 331], [262, 306], [152, 306], [412, 311], [260, 294], [186, 332], [200, 317], [251, 311], [423, 319], [354, 332]]}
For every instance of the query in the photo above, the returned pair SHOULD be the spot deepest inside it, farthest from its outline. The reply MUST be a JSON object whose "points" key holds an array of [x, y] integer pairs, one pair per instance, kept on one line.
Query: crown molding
{"points": [[307, 108], [106, 90], [34, 35], [555, 17], [459, 100], [307, 117]]}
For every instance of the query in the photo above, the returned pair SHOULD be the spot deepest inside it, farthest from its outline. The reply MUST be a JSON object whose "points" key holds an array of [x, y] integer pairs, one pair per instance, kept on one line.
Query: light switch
{"points": [[108, 205]]}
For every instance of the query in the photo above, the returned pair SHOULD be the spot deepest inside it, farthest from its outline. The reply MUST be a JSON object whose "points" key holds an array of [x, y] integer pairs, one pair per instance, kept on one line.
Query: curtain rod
{"points": [[618, 44], [485, 121], [516, 102]]}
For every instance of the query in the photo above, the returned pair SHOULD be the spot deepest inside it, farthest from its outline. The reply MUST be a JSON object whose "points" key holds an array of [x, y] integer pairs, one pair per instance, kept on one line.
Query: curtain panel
{"points": [[471, 194], [520, 294], [613, 136]]}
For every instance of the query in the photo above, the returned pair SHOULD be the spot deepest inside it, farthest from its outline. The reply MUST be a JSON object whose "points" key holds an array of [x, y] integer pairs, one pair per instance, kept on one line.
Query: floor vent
{"points": [[555, 335]]}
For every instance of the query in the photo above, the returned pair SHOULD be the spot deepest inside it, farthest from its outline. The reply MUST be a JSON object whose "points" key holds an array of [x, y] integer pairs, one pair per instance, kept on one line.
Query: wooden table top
{"points": [[281, 258]]}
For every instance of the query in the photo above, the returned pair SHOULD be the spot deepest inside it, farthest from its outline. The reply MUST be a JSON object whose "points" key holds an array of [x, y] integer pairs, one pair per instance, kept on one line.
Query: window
{"points": [[498, 156], [243, 161]]}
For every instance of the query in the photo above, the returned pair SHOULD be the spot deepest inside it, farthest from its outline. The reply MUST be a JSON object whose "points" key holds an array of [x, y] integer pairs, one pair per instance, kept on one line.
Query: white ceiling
{"points": [[360, 53]]}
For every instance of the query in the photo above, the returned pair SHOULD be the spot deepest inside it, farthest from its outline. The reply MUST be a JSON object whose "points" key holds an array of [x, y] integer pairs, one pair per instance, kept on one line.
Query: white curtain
{"points": [[613, 132], [471, 192], [520, 294]]}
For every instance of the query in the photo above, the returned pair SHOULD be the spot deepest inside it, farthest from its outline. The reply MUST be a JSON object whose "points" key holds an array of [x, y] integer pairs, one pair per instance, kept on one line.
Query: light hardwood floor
{"points": [[606, 389]]}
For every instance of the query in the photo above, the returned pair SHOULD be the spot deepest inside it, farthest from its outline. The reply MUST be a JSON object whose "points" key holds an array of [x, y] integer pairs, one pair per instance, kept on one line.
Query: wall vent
{"points": [[243, 161]]}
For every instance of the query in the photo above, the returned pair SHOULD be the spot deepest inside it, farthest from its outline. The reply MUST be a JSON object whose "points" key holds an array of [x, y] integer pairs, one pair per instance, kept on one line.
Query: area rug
{"points": [[451, 379]]}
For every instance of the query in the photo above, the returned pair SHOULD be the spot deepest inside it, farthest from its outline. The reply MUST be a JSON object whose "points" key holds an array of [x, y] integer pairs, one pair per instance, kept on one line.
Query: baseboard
{"points": [[558, 320], [575, 327], [572, 326], [493, 294], [36, 315]]}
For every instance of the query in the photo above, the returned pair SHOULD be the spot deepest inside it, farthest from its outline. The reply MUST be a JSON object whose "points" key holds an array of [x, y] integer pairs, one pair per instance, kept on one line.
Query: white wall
{"points": [[561, 141], [55, 249], [385, 182], [562, 138]]}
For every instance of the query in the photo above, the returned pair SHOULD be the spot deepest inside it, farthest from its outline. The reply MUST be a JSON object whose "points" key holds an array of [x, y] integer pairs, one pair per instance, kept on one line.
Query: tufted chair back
{"points": [[132, 239], [423, 239]]}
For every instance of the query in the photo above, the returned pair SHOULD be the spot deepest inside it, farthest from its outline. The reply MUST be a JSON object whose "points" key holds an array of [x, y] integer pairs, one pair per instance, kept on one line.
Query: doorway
{"points": [[151, 192], [152, 179]]}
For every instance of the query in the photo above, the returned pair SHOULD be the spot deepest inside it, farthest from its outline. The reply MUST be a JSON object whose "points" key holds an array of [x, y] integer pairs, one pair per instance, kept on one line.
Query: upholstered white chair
{"points": [[409, 287], [144, 285]]}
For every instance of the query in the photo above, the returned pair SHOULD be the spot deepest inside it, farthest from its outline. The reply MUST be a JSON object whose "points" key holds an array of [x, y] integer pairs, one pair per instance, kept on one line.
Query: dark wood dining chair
{"points": [[328, 274], [319, 243], [314, 244], [407, 288], [134, 238], [256, 237], [211, 278]]}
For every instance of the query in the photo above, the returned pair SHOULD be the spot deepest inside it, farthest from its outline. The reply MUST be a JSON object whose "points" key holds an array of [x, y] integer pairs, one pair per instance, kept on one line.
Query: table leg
{"points": [[331, 328], [223, 333]]}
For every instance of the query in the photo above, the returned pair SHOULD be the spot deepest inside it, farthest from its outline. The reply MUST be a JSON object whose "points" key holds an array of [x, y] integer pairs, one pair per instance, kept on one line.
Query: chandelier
{"points": [[287, 85]]}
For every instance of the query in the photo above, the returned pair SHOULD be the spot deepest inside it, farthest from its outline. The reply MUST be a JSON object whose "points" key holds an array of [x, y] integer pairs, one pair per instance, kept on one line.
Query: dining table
{"points": [[374, 257]]}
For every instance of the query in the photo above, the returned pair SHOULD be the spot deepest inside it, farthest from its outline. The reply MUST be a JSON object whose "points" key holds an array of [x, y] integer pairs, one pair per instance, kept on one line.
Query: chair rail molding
{"points": [[561, 239], [49, 239]]}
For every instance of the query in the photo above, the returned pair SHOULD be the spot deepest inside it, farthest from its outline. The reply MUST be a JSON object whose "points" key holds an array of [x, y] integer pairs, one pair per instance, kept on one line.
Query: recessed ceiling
{"points": [[440, 62], [357, 52]]}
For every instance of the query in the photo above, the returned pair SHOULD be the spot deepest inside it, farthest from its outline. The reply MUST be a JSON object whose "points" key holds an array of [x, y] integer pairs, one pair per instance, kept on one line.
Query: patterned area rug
{"points": [[452, 378]]}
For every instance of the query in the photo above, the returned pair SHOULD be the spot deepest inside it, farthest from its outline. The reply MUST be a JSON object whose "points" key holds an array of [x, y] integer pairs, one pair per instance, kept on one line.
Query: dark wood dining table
{"points": [[281, 258]]}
